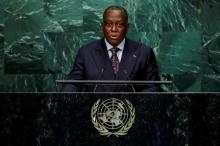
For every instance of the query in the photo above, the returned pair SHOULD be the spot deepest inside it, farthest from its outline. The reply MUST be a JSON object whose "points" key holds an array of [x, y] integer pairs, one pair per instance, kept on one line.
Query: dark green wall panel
{"points": [[40, 38]]}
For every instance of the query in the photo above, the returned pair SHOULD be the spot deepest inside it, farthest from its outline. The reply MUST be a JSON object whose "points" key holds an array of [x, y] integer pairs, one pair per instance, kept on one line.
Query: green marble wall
{"points": [[39, 39]]}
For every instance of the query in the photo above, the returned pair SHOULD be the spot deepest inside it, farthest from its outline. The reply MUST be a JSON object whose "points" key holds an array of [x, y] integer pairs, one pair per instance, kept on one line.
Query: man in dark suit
{"points": [[114, 57]]}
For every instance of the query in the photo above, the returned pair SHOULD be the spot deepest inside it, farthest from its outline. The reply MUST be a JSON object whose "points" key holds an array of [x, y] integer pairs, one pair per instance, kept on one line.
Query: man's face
{"points": [[114, 27]]}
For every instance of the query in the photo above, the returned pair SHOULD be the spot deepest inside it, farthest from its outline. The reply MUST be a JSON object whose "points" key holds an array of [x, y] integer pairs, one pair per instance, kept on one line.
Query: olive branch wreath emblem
{"points": [[104, 131]]}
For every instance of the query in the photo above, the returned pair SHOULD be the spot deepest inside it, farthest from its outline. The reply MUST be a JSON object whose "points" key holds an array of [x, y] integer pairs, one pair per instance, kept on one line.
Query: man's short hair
{"points": [[114, 7]]}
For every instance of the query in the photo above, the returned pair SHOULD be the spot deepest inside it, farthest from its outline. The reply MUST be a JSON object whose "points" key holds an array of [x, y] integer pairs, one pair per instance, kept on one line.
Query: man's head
{"points": [[115, 24]]}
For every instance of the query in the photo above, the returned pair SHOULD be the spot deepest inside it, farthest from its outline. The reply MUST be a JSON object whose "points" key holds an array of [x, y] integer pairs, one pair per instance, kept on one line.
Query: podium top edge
{"points": [[112, 82]]}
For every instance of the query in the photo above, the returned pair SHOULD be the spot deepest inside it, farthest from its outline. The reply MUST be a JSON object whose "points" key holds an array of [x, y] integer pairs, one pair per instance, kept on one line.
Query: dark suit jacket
{"points": [[93, 63]]}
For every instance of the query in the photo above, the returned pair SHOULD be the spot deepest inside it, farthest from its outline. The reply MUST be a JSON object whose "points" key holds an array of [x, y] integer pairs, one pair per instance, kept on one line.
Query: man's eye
{"points": [[120, 25], [108, 24]]}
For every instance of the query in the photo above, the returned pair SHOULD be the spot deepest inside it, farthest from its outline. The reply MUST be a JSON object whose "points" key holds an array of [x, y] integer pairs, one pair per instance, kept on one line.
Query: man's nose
{"points": [[114, 28]]}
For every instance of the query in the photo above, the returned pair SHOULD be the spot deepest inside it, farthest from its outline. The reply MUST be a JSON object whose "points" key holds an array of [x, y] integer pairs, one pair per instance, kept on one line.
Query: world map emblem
{"points": [[113, 116]]}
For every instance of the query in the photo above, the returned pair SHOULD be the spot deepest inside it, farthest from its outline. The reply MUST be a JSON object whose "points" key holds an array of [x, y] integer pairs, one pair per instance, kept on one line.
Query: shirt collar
{"points": [[120, 46]]}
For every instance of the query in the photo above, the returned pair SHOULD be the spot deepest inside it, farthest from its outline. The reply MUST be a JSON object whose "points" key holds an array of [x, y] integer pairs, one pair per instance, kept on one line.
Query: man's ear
{"points": [[102, 24], [128, 26]]}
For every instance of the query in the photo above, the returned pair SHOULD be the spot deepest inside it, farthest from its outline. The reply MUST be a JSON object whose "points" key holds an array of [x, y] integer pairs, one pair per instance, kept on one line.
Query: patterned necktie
{"points": [[115, 60]]}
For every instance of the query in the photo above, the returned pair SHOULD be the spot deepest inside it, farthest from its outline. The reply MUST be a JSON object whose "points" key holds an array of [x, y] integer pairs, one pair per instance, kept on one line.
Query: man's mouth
{"points": [[113, 37]]}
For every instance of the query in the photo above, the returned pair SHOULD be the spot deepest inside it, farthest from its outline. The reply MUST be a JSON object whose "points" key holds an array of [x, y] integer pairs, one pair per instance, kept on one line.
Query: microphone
{"points": [[126, 73], [100, 75]]}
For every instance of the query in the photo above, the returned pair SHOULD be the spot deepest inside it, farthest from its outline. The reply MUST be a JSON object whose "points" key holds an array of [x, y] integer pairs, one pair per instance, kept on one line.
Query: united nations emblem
{"points": [[113, 116]]}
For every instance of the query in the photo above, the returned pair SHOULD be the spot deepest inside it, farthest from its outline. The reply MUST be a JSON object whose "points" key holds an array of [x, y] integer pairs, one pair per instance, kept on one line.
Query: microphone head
{"points": [[125, 71]]}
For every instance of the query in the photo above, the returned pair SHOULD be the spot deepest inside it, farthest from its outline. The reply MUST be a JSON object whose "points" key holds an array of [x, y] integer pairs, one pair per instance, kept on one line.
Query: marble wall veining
{"points": [[40, 38]]}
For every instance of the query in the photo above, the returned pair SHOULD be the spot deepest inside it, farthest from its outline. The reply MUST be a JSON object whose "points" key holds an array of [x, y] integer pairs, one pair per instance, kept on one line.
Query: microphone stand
{"points": [[100, 75], [125, 72]]}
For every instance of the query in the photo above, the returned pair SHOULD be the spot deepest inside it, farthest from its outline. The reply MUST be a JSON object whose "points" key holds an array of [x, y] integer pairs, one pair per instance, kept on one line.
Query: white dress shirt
{"points": [[120, 47]]}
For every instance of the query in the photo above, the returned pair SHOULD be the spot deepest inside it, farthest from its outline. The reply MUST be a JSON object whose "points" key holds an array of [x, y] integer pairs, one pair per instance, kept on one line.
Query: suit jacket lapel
{"points": [[99, 55], [128, 61], [102, 61]]}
